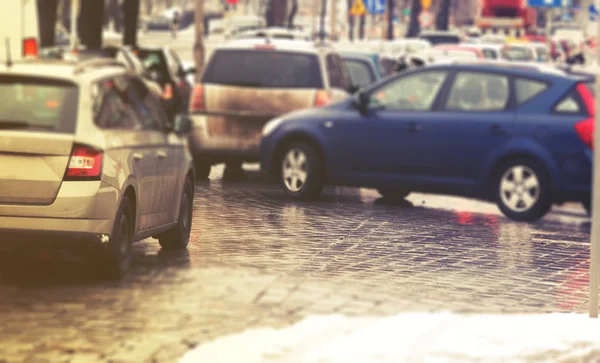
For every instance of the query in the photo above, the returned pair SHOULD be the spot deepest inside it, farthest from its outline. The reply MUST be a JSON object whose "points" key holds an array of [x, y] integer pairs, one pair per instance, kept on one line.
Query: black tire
{"points": [[202, 169], [119, 247], [541, 196], [393, 193], [179, 236], [313, 184]]}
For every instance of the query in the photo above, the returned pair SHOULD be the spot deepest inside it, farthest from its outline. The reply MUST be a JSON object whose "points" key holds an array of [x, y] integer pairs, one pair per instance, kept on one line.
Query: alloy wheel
{"points": [[519, 188]]}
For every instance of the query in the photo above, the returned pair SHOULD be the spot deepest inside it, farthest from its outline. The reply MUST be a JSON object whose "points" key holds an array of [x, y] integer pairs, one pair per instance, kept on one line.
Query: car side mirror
{"points": [[182, 125], [361, 102], [354, 88]]}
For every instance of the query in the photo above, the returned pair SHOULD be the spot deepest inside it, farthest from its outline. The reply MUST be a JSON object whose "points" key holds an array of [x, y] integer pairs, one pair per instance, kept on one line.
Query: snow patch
{"points": [[411, 337]]}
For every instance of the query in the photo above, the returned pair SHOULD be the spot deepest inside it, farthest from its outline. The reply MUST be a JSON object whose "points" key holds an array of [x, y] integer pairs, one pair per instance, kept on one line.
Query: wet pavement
{"points": [[258, 259]]}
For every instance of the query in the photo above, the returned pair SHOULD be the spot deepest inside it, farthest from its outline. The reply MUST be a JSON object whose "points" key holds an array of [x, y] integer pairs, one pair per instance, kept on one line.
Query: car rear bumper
{"points": [[218, 148], [81, 209]]}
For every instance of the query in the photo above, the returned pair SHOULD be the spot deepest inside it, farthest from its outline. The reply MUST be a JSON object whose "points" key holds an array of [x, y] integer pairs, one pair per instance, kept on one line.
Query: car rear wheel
{"points": [[523, 190], [119, 248], [179, 236], [300, 171]]}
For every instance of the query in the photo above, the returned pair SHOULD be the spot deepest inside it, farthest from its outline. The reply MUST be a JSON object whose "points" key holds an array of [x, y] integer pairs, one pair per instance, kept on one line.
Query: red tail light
{"points": [[85, 164], [585, 128], [322, 99], [197, 99], [30, 47]]}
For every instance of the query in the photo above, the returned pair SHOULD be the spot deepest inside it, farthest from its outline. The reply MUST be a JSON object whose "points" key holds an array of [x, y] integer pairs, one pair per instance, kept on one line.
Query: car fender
{"points": [[307, 131], [522, 147]]}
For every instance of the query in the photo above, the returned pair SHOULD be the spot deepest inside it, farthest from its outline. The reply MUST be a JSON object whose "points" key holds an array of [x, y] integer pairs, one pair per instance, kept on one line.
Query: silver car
{"points": [[89, 157]]}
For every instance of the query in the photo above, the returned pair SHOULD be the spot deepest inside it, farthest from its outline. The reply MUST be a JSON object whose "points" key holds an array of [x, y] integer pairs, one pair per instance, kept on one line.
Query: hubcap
{"points": [[295, 170], [519, 188]]}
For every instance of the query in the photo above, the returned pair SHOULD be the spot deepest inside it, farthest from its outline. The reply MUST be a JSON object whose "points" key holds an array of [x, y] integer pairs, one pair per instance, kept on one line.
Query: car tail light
{"points": [[585, 128], [167, 92], [85, 164], [322, 98], [30, 47], [197, 100]]}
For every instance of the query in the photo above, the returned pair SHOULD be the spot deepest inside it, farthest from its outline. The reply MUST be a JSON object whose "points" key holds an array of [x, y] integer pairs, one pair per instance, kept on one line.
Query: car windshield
{"points": [[37, 104], [361, 73], [489, 53], [513, 53], [264, 69]]}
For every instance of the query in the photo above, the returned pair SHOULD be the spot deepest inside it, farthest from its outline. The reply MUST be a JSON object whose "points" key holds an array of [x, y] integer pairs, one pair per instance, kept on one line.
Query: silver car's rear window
{"points": [[263, 69], [31, 103]]}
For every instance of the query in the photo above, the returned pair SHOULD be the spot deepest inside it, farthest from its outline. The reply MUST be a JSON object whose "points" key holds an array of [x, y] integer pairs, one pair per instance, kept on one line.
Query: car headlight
{"points": [[271, 125]]}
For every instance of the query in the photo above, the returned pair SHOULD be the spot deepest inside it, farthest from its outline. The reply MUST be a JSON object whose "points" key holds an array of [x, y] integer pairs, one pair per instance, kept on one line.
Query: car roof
{"points": [[63, 69], [518, 69], [284, 45]]}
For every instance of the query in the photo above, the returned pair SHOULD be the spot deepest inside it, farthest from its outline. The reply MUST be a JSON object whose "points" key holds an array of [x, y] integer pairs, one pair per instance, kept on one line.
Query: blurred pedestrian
{"points": [[175, 24]]}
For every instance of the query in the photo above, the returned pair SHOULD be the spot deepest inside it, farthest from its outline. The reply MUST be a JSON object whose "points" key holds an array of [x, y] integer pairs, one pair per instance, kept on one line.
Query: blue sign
{"points": [[375, 6], [549, 3], [593, 12]]}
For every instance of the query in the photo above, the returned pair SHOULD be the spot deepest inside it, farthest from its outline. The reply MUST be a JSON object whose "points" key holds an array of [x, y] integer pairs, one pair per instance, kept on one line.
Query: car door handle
{"points": [[137, 156], [161, 154], [414, 127], [497, 129]]}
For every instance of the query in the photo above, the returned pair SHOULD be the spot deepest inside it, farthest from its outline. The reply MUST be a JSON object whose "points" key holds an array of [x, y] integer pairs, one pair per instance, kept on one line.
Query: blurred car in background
{"points": [[230, 105], [90, 162], [273, 33], [518, 52], [441, 37], [477, 51], [165, 67]]}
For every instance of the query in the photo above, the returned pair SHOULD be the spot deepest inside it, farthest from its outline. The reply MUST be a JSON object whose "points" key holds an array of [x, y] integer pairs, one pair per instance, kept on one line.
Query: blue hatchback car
{"points": [[517, 136]]}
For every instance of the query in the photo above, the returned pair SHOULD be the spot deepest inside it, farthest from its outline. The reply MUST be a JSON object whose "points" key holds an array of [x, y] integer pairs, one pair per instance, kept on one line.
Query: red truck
{"points": [[511, 17]]}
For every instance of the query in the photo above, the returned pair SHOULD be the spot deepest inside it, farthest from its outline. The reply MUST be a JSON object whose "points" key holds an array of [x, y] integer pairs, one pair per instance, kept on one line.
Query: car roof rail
{"points": [[97, 63]]}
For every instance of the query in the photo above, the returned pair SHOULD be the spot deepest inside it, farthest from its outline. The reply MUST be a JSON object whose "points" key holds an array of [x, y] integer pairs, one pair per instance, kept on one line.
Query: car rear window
{"points": [[263, 69], [37, 104]]}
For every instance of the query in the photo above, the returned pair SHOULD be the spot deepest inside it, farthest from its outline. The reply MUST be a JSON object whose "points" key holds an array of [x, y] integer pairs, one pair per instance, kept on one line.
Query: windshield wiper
{"points": [[16, 124]]}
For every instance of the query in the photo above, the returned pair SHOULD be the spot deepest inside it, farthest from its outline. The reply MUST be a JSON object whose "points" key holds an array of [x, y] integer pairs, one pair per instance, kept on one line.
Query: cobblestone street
{"points": [[258, 259]]}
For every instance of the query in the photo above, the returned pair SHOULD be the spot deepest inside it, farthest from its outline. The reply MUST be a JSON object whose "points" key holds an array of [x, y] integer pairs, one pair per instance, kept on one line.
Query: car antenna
{"points": [[9, 61]]}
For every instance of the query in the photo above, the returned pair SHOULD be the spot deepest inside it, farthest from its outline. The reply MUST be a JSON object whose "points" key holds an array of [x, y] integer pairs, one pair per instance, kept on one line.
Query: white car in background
{"points": [[19, 32], [431, 56]]}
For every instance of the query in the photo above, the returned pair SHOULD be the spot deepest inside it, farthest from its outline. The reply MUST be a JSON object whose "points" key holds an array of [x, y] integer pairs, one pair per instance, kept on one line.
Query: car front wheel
{"points": [[300, 171], [523, 190]]}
